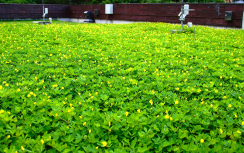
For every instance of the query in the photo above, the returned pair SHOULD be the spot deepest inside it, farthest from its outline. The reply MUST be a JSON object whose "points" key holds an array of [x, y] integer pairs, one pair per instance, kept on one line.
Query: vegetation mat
{"points": [[120, 88]]}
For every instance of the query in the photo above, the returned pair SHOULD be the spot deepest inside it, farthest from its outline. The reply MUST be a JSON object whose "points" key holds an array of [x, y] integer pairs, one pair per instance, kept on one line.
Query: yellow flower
{"points": [[221, 131], [56, 114], [138, 110], [6, 85], [62, 87], [34, 103], [229, 105], [18, 90], [239, 132], [166, 117], [104, 143], [80, 117], [151, 102], [177, 88], [109, 123], [224, 97], [127, 113], [8, 113], [202, 140], [89, 131], [1, 87], [1, 111], [31, 93], [171, 118], [242, 123], [167, 111], [42, 141], [236, 116], [97, 147], [84, 123], [176, 102], [55, 85], [28, 95], [22, 148], [8, 136]]}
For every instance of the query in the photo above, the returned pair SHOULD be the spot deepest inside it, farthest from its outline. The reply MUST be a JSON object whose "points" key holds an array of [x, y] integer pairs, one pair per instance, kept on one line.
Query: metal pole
{"points": [[182, 7], [171, 38], [43, 12]]}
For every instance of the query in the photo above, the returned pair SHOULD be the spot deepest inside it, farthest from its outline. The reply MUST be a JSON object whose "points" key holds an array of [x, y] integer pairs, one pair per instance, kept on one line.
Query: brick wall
{"points": [[34, 11], [204, 14]]}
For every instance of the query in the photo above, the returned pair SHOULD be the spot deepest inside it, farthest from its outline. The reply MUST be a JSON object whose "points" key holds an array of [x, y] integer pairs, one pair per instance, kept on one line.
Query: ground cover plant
{"points": [[120, 88]]}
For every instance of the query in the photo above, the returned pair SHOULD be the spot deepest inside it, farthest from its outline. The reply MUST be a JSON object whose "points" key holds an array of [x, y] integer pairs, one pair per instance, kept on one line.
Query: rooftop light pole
{"points": [[43, 12]]}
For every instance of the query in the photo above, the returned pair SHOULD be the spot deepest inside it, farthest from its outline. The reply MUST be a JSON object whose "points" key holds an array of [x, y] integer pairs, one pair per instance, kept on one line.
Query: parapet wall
{"points": [[204, 14], [32, 11]]}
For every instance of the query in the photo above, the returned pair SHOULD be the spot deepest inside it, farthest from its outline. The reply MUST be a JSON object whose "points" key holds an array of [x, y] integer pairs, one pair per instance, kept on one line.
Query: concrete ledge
{"points": [[98, 21]]}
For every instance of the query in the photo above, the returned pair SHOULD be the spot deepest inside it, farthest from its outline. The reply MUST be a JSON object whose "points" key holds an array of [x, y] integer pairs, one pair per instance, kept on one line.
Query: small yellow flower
{"points": [[1, 111], [224, 97], [239, 132], [62, 87], [8, 113], [242, 123], [8, 136], [79, 103], [28, 95], [89, 131], [80, 117], [31, 93], [171, 118], [22, 148], [127, 113], [109, 123], [211, 105], [42, 141], [18, 90], [176, 102], [202, 140], [221, 131], [166, 117], [177, 88], [229, 105], [236, 116], [70, 105], [202, 102], [84, 123], [56, 114], [138, 110], [34, 103], [104, 143], [151, 102], [167, 111], [6, 84], [97, 147]]}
